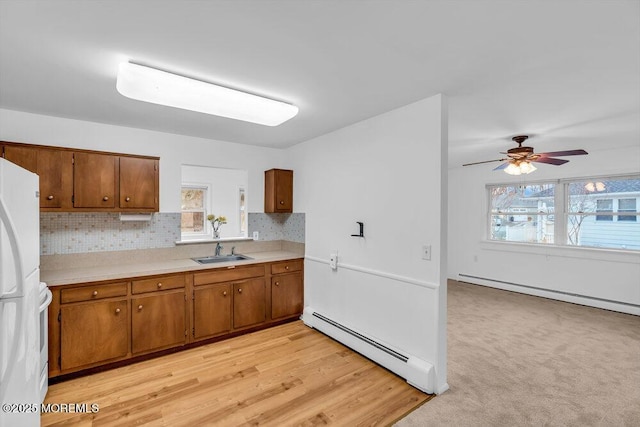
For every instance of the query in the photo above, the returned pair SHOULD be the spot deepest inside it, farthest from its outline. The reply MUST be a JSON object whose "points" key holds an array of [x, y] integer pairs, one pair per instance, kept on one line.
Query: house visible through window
{"points": [[585, 211], [193, 210], [604, 205], [627, 206]]}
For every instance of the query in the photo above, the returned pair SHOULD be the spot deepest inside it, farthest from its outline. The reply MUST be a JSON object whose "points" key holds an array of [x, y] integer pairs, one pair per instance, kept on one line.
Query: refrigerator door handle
{"points": [[15, 248], [47, 301]]}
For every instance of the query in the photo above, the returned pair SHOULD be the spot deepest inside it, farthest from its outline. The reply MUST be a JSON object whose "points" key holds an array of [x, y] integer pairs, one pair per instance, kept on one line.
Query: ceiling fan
{"points": [[519, 159]]}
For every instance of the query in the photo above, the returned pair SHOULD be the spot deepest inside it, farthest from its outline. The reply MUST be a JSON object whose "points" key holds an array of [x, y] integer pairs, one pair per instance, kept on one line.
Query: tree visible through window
{"points": [[568, 212]]}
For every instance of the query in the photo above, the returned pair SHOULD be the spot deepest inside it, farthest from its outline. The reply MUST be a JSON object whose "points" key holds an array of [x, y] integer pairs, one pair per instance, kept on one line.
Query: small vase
{"points": [[216, 234]]}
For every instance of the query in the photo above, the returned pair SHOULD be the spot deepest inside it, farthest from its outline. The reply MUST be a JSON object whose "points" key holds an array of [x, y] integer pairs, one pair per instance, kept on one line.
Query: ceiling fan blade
{"points": [[549, 160], [563, 153], [486, 161], [502, 166]]}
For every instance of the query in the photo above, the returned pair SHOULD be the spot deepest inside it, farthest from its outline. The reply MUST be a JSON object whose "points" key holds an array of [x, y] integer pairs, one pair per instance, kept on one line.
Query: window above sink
{"points": [[213, 191]]}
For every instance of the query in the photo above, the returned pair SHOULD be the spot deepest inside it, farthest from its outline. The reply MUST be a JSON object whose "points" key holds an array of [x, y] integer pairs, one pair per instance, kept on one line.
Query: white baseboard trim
{"points": [[552, 294]]}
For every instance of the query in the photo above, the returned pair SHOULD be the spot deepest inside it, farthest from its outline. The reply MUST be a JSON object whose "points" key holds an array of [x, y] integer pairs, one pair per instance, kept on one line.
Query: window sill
{"points": [[586, 253], [212, 240]]}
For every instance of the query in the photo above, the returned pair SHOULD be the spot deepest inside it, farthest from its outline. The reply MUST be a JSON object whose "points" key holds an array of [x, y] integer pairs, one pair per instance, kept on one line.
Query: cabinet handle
{"points": [[159, 285], [117, 310], [49, 197], [224, 294], [277, 283], [239, 290], [126, 199], [105, 198], [95, 293], [140, 307], [282, 202]]}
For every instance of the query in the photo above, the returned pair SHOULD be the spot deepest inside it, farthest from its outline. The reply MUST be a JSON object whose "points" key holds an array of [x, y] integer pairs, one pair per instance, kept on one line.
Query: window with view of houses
{"points": [[600, 213]]}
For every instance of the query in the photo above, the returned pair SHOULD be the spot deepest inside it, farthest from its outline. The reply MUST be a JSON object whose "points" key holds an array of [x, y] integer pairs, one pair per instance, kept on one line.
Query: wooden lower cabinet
{"points": [[93, 332], [249, 303], [94, 324], [158, 321], [211, 310], [286, 295]]}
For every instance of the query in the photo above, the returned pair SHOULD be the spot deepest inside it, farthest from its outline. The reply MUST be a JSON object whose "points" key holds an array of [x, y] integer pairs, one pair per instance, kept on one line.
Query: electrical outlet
{"points": [[426, 252], [333, 261], [256, 235]]}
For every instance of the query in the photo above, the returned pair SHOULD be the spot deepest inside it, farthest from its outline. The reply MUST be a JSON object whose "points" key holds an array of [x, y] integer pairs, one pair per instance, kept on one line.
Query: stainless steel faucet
{"points": [[233, 250], [218, 249]]}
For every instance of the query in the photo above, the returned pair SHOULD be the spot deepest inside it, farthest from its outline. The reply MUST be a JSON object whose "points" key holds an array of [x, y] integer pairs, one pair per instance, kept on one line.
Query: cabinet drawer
{"points": [[286, 266], [158, 284], [228, 275], [89, 293]]}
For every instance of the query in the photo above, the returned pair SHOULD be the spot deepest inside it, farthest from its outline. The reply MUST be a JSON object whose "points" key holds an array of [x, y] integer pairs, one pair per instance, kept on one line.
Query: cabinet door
{"points": [[138, 183], [211, 310], [94, 180], [284, 191], [278, 191], [25, 157], [93, 332], [286, 295], [158, 321], [55, 170], [248, 302]]}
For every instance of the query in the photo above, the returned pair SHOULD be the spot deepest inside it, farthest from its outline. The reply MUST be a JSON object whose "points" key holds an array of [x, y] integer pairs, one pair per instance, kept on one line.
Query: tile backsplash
{"points": [[278, 226], [68, 233]]}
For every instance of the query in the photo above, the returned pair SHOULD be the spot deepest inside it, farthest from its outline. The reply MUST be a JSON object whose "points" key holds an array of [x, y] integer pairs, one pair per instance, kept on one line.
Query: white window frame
{"points": [[206, 234], [561, 208]]}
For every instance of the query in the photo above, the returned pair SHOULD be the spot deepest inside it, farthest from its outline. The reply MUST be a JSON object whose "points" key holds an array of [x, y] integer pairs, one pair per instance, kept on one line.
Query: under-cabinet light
{"points": [[159, 87]]}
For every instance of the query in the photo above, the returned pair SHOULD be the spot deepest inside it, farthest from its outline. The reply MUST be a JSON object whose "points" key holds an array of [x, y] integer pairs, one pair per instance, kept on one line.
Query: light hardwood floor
{"points": [[283, 376]]}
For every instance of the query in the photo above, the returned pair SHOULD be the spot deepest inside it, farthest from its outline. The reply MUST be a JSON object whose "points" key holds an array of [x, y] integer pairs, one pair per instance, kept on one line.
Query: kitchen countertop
{"points": [[76, 275]]}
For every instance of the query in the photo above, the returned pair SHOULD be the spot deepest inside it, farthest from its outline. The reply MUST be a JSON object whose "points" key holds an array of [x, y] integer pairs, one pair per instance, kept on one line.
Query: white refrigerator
{"points": [[19, 297]]}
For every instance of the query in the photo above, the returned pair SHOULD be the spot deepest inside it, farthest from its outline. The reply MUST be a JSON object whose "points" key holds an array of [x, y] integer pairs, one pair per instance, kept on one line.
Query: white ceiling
{"points": [[565, 71]]}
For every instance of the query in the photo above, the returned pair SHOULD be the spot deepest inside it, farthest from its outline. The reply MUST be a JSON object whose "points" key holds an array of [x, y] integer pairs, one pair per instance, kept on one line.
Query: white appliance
{"points": [[20, 393]]}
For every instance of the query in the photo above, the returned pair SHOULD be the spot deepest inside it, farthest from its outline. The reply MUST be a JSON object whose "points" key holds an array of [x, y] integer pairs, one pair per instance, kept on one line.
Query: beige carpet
{"points": [[519, 360]]}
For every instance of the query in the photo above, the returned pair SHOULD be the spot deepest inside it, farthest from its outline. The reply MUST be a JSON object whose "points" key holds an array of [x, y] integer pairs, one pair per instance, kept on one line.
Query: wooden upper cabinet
{"points": [[53, 166], [138, 183], [94, 180], [278, 191], [82, 180], [25, 157]]}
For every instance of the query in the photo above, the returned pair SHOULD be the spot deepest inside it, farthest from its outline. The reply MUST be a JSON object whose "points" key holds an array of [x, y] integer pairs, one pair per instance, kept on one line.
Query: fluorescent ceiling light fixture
{"points": [[159, 87]]}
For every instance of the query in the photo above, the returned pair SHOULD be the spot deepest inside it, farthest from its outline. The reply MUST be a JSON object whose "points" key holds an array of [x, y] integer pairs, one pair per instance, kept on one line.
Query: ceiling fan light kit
{"points": [[519, 159], [159, 87], [520, 168]]}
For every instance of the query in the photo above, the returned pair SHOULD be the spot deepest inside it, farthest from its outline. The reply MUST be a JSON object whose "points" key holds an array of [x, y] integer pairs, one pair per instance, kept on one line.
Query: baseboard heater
{"points": [[417, 372], [551, 291]]}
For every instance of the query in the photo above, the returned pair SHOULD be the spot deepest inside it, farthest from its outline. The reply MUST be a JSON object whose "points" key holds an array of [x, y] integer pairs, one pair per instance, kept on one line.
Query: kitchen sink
{"points": [[221, 258]]}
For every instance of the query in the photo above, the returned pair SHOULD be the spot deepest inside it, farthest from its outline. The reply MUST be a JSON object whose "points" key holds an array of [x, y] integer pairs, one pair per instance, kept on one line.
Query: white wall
{"points": [[173, 150], [608, 279], [386, 172]]}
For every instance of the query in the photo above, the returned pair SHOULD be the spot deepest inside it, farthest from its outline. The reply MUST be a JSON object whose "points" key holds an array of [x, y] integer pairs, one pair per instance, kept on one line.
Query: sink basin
{"points": [[221, 258]]}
